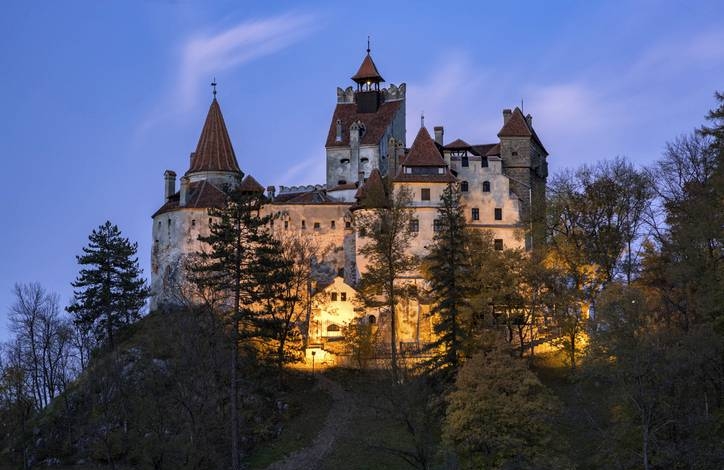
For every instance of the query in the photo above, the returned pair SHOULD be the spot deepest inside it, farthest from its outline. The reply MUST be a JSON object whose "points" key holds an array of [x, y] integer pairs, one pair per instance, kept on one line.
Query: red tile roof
{"points": [[367, 71], [373, 186], [517, 126], [458, 144], [375, 123], [250, 185], [424, 152], [493, 151], [201, 195], [214, 151]]}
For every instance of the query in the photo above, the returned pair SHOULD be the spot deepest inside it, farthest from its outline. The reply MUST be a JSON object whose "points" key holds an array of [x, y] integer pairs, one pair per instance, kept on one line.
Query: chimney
{"points": [[184, 191], [439, 132], [270, 190], [506, 115], [169, 178], [529, 120], [338, 138]]}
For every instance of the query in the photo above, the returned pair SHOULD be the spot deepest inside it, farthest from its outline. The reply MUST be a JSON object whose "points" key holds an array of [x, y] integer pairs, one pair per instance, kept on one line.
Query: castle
{"points": [[502, 185]]}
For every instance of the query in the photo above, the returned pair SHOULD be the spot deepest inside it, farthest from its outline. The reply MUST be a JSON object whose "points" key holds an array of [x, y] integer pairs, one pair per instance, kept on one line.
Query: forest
{"points": [[603, 347]]}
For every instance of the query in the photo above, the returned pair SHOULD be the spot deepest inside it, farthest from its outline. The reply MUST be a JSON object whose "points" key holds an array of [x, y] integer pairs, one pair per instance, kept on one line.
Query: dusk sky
{"points": [[99, 98]]}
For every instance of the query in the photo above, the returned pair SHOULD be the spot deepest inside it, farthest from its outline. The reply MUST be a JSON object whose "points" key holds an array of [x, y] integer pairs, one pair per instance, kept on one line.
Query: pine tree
{"points": [[110, 290], [239, 265], [448, 271]]}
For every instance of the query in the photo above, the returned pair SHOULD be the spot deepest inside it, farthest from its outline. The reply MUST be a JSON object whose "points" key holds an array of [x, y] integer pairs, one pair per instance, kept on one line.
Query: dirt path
{"points": [[310, 458]]}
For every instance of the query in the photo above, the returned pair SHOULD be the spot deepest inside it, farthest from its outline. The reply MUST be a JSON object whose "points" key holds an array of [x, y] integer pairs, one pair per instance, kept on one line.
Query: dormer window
{"points": [[440, 171], [344, 160], [408, 170]]}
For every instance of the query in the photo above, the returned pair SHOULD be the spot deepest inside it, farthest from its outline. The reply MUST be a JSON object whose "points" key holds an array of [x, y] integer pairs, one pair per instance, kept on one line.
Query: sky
{"points": [[99, 98]]}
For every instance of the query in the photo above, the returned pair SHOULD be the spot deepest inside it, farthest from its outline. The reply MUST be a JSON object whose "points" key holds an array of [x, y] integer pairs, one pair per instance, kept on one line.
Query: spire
{"points": [[214, 151], [213, 85]]}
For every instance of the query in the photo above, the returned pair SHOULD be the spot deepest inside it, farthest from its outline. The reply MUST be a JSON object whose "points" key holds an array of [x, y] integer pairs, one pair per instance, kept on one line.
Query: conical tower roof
{"points": [[424, 152], [214, 151], [368, 71]]}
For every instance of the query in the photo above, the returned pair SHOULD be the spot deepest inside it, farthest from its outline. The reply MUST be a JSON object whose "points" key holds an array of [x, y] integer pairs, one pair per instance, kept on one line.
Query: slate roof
{"points": [[375, 123], [214, 151], [307, 197], [201, 195], [367, 71], [494, 150]]}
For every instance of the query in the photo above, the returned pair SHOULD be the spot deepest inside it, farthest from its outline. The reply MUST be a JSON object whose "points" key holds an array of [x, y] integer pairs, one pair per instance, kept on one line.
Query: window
{"points": [[425, 194], [484, 162], [486, 186], [341, 182], [333, 328], [372, 320], [344, 160], [364, 160], [332, 225], [414, 225], [348, 224], [476, 213], [304, 224], [464, 186], [193, 222], [465, 161], [210, 220], [436, 225], [286, 225], [334, 296], [317, 226], [515, 154], [498, 244], [343, 296], [498, 213]]}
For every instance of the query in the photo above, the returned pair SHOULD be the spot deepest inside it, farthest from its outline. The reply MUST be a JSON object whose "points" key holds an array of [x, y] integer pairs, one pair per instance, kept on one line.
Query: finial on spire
{"points": [[422, 119], [368, 43], [213, 84]]}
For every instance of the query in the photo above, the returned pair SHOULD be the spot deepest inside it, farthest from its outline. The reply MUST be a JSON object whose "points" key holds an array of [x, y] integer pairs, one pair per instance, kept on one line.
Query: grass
{"points": [[308, 409]]}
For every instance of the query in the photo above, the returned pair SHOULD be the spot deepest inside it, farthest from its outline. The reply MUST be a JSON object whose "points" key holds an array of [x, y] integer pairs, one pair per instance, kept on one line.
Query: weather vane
{"points": [[368, 43], [422, 119], [213, 84]]}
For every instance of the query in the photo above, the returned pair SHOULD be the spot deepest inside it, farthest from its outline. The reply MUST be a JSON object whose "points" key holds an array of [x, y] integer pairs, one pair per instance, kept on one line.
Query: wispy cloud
{"points": [[206, 55], [310, 169]]}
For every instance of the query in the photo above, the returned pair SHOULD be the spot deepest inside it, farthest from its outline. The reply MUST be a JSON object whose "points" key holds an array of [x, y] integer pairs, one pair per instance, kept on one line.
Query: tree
{"points": [[110, 290], [499, 414], [448, 271], [240, 261], [385, 221]]}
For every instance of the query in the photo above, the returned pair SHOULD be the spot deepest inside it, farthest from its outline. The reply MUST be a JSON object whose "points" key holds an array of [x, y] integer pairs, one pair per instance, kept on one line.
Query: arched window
{"points": [[464, 186], [486, 186], [372, 320], [333, 328]]}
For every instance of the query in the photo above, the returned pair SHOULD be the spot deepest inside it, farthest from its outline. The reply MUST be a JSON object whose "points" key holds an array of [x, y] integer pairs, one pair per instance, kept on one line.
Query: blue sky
{"points": [[99, 98]]}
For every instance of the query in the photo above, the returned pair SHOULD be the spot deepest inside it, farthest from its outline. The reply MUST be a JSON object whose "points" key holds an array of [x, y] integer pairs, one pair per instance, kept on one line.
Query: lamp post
{"points": [[314, 353]]}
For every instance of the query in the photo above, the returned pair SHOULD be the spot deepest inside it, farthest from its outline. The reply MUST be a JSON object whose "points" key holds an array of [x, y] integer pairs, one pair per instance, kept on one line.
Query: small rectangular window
{"points": [[436, 225], [334, 296], [332, 225], [317, 226], [484, 162], [465, 161], [498, 213], [343, 296], [498, 244], [193, 222], [414, 225], [304, 224], [348, 224], [425, 194], [286, 225], [476, 213]]}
